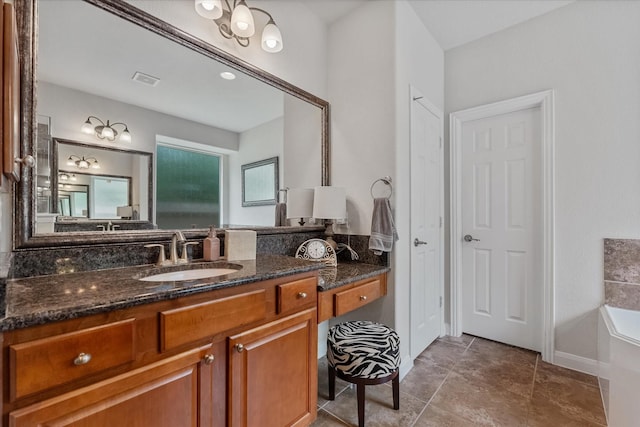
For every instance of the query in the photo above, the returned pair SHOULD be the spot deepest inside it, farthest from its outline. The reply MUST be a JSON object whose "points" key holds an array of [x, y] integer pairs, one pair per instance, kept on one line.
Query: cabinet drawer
{"points": [[297, 295], [48, 362], [357, 297], [188, 324]]}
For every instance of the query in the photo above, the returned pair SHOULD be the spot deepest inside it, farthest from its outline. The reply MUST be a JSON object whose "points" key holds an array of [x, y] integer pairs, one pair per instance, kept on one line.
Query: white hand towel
{"points": [[383, 229]]}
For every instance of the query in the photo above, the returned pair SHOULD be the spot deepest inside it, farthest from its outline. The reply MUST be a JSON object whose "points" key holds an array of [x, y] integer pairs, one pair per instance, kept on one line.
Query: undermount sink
{"points": [[202, 273]]}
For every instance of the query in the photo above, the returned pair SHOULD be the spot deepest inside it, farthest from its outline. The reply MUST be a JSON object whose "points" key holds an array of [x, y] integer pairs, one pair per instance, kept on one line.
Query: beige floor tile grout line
{"points": [[535, 372], [442, 383]]}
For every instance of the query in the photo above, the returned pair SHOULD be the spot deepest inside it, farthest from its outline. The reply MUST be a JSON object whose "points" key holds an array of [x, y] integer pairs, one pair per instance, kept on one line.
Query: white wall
{"points": [[589, 53], [375, 53], [302, 60], [260, 143], [419, 63], [302, 147], [69, 108]]}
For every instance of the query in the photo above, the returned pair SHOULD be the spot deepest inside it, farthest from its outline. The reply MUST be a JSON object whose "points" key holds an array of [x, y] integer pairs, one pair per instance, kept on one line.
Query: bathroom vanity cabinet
{"points": [[237, 356]]}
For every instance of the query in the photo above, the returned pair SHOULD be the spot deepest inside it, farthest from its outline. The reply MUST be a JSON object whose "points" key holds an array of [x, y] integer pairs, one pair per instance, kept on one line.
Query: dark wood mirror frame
{"points": [[25, 202]]}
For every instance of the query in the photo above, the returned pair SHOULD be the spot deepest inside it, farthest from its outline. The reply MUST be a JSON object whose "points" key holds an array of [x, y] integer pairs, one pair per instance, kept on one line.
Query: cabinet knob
{"points": [[28, 161], [82, 359], [302, 294], [208, 359], [363, 297], [239, 348]]}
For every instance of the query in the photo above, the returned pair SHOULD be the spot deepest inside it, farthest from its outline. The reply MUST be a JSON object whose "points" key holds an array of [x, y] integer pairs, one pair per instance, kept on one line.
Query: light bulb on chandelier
{"points": [[237, 22]]}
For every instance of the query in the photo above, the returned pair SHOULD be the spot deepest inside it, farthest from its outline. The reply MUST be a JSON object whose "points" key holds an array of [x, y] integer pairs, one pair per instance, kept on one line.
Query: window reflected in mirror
{"points": [[107, 195], [188, 188]]}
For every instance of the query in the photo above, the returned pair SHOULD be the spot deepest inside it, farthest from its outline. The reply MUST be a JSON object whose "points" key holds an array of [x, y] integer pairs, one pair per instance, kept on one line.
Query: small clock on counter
{"points": [[317, 250]]}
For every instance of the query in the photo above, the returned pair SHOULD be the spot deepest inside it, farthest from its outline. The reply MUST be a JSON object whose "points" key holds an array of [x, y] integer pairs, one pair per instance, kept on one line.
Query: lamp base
{"points": [[329, 233]]}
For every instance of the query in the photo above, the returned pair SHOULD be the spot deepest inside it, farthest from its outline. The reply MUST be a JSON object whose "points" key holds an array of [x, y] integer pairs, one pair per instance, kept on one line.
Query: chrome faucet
{"points": [[177, 237], [162, 261]]}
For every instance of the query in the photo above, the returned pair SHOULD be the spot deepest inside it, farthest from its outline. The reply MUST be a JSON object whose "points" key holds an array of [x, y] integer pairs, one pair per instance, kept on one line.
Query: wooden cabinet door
{"points": [[273, 373], [163, 394]]}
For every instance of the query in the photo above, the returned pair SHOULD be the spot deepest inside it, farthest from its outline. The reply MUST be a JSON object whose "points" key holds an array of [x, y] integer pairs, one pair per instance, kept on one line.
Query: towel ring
{"points": [[386, 180]]}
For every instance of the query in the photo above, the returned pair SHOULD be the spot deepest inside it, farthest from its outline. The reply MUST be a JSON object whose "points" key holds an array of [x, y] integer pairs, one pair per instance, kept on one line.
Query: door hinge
{"points": [[440, 302], [440, 142], [440, 222]]}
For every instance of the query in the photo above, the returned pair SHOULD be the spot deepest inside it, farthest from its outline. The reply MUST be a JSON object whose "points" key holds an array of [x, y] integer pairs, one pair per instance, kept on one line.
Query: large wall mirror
{"points": [[190, 129]]}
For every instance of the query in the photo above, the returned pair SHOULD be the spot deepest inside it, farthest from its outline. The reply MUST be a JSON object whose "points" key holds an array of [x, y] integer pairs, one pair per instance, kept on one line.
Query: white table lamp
{"points": [[329, 203], [300, 204]]}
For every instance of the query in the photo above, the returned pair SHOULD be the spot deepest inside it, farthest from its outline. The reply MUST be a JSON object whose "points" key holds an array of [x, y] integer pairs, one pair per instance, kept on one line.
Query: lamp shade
{"points": [[299, 202], [329, 202], [125, 136], [271, 38], [210, 9], [124, 211], [242, 23]]}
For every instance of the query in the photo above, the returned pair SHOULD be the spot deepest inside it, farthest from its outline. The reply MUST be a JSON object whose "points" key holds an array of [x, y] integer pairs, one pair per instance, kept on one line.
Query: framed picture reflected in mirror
{"points": [[260, 182]]}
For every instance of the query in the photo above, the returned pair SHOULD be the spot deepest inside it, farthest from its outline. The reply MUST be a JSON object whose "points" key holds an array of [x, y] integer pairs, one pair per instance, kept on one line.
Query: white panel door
{"points": [[426, 239], [501, 203]]}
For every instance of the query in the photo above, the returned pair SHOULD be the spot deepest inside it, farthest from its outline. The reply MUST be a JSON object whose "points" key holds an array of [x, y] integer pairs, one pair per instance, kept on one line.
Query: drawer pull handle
{"points": [[82, 359], [302, 295], [208, 359], [363, 297], [239, 348]]}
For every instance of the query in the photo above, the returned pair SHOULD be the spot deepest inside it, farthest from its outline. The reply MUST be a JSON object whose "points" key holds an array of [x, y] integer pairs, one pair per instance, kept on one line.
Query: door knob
{"points": [[469, 238], [417, 242]]}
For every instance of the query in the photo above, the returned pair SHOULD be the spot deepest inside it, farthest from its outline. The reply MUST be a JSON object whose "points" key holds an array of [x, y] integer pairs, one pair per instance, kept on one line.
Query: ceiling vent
{"points": [[145, 79]]}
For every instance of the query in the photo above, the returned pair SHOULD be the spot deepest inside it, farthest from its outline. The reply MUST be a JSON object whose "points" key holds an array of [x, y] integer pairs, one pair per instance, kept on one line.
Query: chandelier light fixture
{"points": [[82, 162], [237, 22], [105, 131], [67, 177]]}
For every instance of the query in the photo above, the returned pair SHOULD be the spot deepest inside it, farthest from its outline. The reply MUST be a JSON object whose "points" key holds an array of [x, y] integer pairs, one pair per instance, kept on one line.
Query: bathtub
{"points": [[619, 365]]}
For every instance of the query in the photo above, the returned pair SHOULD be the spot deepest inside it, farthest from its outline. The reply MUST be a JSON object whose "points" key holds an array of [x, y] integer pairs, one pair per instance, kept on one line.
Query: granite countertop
{"points": [[347, 272], [37, 300], [42, 299]]}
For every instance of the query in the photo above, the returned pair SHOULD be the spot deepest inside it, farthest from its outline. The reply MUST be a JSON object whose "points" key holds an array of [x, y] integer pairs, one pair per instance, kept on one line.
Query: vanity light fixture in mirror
{"points": [[63, 176], [237, 22], [105, 130], [82, 162]]}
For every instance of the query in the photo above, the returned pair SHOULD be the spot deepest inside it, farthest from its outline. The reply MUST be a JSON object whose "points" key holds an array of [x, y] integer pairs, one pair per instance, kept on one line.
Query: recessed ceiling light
{"points": [[227, 75]]}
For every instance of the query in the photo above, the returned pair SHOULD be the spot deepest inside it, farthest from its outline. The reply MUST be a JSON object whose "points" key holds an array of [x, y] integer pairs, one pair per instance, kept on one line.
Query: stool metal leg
{"points": [[395, 383], [332, 382], [360, 392]]}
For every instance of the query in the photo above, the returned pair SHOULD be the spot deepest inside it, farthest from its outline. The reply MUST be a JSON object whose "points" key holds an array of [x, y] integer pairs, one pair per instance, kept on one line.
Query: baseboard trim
{"points": [[604, 370], [447, 329], [577, 363], [405, 366]]}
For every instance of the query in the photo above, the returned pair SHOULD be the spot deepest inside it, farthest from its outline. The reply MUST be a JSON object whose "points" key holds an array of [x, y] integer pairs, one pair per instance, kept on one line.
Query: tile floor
{"points": [[471, 381]]}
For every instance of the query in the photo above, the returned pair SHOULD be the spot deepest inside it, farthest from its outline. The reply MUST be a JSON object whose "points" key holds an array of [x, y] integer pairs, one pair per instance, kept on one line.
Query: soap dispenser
{"points": [[211, 246]]}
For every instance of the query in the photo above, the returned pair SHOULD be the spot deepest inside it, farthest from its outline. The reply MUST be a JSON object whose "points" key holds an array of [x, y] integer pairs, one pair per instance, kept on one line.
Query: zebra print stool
{"points": [[363, 353]]}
